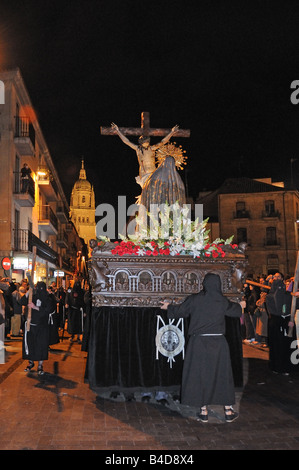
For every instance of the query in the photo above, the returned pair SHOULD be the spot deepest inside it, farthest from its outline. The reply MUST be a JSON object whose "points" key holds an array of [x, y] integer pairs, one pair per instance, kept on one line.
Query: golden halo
{"points": [[171, 150]]}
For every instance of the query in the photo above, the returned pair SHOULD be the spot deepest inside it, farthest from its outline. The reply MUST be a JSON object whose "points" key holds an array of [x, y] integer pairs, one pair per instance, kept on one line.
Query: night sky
{"points": [[221, 69]]}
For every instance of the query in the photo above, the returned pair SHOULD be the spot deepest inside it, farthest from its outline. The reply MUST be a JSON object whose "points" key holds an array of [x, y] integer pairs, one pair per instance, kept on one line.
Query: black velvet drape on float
{"points": [[122, 351]]}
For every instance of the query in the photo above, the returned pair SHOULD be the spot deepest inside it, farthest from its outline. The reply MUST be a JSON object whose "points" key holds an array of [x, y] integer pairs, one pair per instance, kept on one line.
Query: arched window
{"points": [[83, 199]]}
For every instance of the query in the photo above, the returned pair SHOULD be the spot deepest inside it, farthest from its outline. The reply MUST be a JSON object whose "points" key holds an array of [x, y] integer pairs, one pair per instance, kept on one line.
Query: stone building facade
{"points": [[262, 214], [34, 210], [82, 207]]}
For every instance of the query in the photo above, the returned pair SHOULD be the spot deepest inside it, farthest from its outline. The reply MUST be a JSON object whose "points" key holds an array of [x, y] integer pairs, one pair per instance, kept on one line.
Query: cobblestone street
{"points": [[58, 411]]}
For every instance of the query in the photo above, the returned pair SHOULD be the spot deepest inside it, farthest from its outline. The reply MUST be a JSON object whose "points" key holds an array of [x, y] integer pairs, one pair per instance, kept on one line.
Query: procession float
{"points": [[132, 345]]}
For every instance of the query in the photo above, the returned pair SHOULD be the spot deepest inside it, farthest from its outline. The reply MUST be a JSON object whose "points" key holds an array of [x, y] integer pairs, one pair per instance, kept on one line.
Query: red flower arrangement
{"points": [[152, 249], [129, 248]]}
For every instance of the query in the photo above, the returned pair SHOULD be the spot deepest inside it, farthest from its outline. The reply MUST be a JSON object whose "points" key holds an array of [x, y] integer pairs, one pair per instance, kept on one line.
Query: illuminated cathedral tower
{"points": [[82, 207]]}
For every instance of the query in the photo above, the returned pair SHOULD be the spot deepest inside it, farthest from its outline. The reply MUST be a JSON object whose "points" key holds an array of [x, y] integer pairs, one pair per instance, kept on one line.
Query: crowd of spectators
{"points": [[68, 312], [266, 319]]}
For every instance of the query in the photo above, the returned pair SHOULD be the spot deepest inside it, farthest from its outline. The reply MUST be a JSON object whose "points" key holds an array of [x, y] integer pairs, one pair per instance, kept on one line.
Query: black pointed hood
{"points": [[41, 293], [212, 283]]}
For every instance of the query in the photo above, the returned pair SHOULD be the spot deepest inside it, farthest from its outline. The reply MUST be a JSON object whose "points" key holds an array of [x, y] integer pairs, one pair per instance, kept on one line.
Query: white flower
{"points": [[183, 235]]}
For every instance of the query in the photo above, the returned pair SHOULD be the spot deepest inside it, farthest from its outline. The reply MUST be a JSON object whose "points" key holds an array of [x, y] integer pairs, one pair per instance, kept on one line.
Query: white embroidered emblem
{"points": [[170, 340]]}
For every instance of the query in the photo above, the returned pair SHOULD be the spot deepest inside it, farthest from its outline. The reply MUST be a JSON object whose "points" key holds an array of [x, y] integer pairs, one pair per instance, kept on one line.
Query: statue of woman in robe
{"points": [[145, 152], [164, 186]]}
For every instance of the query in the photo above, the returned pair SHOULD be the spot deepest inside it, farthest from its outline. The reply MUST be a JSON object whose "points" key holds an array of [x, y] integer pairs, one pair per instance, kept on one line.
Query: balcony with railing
{"points": [[69, 264], [69, 227], [241, 214], [47, 184], [24, 240], [24, 137], [47, 220], [62, 213], [270, 214], [62, 239], [24, 190], [71, 249]]}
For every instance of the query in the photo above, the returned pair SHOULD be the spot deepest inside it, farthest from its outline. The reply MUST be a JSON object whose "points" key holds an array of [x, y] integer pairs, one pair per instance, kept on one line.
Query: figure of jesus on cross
{"points": [[145, 152]]}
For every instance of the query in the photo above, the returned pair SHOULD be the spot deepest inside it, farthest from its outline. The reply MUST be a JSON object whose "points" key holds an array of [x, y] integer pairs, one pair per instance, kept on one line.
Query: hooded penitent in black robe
{"points": [[36, 340], [278, 303], [53, 322], [75, 302], [207, 372], [88, 307]]}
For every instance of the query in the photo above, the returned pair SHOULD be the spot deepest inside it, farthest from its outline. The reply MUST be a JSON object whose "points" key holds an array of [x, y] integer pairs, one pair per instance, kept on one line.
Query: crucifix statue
{"points": [[145, 152]]}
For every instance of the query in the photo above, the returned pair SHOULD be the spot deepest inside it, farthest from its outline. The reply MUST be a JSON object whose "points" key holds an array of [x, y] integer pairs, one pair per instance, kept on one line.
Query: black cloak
{"points": [[278, 303], [207, 372], [53, 322], [75, 302], [36, 340]]}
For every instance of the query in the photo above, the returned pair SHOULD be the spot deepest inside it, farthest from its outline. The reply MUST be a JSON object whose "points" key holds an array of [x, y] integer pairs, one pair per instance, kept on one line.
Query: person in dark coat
{"points": [[8, 288], [2, 328], [36, 340], [207, 372], [74, 302], [17, 312], [61, 306], [249, 318], [25, 177], [278, 303], [88, 306], [261, 314], [53, 319]]}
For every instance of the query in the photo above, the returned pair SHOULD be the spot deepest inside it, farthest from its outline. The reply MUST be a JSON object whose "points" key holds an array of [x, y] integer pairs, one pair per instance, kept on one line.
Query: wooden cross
{"points": [[145, 129]]}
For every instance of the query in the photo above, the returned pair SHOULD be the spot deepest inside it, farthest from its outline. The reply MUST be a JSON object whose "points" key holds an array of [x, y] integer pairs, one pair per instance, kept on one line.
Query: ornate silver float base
{"points": [[146, 281]]}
